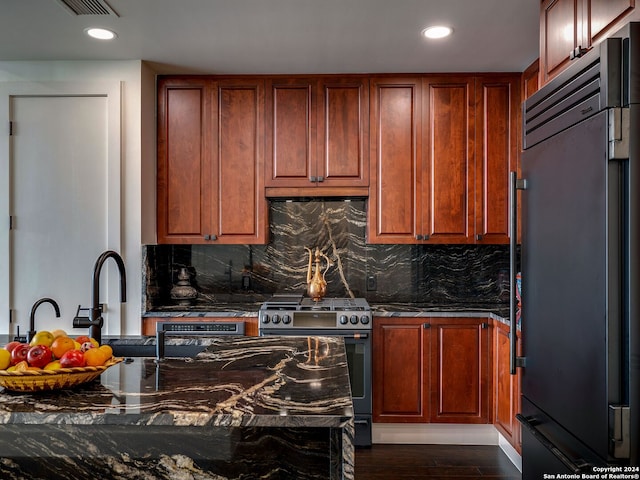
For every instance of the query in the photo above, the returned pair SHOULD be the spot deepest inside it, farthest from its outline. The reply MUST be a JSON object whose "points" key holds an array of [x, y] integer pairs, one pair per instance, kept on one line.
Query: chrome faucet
{"points": [[32, 319], [95, 320]]}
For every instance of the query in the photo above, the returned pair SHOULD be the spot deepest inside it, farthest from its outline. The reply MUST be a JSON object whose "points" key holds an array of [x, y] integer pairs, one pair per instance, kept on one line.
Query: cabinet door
{"points": [[604, 14], [496, 154], [505, 385], [184, 161], [561, 31], [400, 370], [239, 204], [343, 132], [460, 365], [395, 158], [290, 132], [447, 186]]}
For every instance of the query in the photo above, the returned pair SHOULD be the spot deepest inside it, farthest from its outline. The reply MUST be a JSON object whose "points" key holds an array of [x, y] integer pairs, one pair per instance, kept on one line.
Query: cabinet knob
{"points": [[418, 237], [210, 237], [320, 179], [479, 237], [313, 179]]}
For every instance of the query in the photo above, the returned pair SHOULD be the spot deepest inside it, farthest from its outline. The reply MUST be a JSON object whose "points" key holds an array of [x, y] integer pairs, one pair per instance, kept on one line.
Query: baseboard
{"points": [[444, 434], [510, 452], [434, 433]]}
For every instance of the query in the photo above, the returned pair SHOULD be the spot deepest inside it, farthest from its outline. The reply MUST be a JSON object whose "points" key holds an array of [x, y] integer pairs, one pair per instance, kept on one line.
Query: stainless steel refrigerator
{"points": [[580, 199]]}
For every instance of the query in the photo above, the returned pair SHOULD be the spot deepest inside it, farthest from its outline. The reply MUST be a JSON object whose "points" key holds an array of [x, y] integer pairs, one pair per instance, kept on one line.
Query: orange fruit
{"points": [[95, 357], [61, 345], [108, 351]]}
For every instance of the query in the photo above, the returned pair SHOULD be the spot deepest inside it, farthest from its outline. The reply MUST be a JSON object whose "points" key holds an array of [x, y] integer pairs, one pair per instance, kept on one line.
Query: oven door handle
{"points": [[356, 336]]}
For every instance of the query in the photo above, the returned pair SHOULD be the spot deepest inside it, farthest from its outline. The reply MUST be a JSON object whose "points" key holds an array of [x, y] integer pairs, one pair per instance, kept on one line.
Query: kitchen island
{"points": [[245, 407]]}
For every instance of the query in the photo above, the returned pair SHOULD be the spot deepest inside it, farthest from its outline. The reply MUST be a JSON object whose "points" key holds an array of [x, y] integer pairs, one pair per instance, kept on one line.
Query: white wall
{"points": [[137, 161]]}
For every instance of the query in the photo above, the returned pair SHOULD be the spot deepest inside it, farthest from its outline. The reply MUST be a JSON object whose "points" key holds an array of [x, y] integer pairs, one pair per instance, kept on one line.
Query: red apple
{"points": [[82, 339], [39, 356], [11, 345], [72, 358], [19, 353]]}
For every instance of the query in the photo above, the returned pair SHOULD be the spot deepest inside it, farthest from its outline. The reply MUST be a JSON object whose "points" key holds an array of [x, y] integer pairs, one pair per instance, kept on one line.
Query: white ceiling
{"points": [[281, 36]]}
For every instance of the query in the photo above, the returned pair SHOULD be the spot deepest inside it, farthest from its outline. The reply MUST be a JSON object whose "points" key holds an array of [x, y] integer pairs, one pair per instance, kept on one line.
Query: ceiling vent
{"points": [[88, 7]]}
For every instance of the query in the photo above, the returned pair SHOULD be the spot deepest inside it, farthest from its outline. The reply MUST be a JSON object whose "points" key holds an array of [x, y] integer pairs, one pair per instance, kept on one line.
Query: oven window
{"points": [[356, 361]]}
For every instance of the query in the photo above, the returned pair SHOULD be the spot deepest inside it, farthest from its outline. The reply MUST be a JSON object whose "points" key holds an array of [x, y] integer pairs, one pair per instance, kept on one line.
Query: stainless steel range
{"points": [[349, 318]]}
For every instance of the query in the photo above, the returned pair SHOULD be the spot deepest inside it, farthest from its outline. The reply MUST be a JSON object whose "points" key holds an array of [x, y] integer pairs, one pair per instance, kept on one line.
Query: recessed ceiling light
{"points": [[101, 33], [437, 31]]}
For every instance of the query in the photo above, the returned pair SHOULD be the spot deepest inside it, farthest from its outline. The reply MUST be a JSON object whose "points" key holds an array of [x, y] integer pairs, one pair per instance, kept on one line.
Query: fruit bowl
{"points": [[45, 380]]}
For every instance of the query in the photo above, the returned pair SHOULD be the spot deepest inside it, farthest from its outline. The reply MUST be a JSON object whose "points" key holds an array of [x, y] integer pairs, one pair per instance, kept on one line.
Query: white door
{"points": [[61, 205]]}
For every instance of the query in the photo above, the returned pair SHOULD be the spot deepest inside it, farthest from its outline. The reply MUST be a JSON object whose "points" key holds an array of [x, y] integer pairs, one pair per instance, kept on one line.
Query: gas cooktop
{"points": [[300, 303]]}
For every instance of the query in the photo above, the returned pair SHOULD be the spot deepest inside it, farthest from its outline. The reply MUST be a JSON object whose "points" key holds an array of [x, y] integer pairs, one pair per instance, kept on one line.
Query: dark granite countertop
{"points": [[235, 381]]}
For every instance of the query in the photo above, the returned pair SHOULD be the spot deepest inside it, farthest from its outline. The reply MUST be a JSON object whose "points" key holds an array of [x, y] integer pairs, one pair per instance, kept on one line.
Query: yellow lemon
{"points": [[5, 359], [55, 365]]}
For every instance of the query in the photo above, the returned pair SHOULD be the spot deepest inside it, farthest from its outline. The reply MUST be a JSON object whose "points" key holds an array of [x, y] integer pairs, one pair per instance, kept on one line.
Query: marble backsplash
{"points": [[432, 275]]}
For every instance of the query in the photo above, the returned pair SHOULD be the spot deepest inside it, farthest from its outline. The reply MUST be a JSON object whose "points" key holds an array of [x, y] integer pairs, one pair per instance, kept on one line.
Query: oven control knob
{"points": [[353, 319], [364, 319], [275, 318], [286, 319], [265, 318], [343, 320]]}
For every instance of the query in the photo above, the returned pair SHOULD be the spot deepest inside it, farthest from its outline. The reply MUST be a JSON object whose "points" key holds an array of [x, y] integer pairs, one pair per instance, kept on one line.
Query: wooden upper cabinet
{"points": [[447, 186], [184, 161], [240, 210], [496, 154], [605, 14], [396, 157], [211, 161], [317, 133], [568, 28]]}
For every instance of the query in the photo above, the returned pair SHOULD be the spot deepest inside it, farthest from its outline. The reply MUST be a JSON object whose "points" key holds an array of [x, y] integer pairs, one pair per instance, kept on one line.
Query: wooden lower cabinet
{"points": [[250, 323], [431, 370], [400, 370], [460, 370], [506, 387]]}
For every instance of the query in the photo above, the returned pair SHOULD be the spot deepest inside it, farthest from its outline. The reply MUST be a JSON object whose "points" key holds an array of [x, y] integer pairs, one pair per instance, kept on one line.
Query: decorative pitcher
{"points": [[316, 284]]}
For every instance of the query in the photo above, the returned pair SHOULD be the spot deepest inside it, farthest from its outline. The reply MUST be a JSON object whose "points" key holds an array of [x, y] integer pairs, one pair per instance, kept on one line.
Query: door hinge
{"points": [[11, 222], [10, 127], [521, 362], [484, 325], [426, 325], [619, 425], [618, 133]]}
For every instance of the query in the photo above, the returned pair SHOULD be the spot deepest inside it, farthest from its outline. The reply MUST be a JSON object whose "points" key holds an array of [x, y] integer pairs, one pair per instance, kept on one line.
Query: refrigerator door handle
{"points": [[514, 186], [578, 465]]}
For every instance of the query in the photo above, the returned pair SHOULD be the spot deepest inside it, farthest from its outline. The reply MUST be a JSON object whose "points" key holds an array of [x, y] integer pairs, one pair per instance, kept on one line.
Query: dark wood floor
{"points": [[403, 462]]}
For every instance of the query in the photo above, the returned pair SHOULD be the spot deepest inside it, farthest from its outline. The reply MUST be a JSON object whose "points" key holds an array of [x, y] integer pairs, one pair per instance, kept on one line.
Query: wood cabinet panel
{"points": [[396, 156], [317, 133], [238, 160], [447, 189], [497, 135], [291, 125], [604, 13], [343, 123], [183, 161], [561, 31], [399, 370], [506, 387], [460, 363], [211, 161], [568, 26]]}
